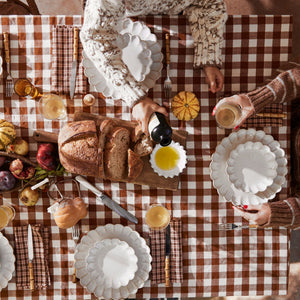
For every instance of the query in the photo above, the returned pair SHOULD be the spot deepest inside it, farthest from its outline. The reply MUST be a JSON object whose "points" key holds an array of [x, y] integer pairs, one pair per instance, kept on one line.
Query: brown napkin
{"points": [[40, 236], [62, 57], [157, 246], [256, 121]]}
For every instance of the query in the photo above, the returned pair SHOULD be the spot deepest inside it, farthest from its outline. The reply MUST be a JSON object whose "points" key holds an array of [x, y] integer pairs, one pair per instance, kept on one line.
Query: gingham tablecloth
{"points": [[216, 263]]}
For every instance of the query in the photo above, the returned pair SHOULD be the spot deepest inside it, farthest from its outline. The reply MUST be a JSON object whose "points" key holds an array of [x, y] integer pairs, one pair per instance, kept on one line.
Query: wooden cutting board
{"points": [[147, 176]]}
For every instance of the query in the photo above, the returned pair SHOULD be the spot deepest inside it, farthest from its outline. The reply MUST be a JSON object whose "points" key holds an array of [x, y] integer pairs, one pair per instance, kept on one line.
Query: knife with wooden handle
{"points": [[167, 255], [30, 257], [74, 63]]}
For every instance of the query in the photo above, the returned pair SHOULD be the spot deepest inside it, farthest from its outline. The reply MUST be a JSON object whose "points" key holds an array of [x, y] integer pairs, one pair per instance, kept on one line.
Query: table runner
{"points": [[215, 263]]}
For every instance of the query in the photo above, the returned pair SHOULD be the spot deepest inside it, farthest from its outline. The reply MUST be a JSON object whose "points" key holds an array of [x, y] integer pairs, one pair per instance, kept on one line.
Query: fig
{"points": [[19, 171], [7, 181], [2, 160], [29, 197], [47, 157], [19, 146]]}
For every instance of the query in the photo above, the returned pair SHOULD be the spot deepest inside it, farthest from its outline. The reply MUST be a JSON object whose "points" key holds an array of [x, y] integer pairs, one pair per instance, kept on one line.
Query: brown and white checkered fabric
{"points": [[215, 263], [157, 247], [40, 237], [62, 57]]}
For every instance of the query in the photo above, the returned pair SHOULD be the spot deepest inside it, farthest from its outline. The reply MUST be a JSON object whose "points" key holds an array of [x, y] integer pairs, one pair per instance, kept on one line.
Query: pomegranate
{"points": [[19, 171], [47, 156]]}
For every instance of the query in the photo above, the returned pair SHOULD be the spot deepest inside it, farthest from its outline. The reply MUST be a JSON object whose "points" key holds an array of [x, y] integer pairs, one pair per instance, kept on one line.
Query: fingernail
{"points": [[233, 207], [236, 127], [213, 112], [245, 206]]}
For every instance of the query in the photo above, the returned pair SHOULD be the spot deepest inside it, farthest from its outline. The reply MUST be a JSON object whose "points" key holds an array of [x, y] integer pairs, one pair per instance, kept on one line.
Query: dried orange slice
{"points": [[185, 106]]}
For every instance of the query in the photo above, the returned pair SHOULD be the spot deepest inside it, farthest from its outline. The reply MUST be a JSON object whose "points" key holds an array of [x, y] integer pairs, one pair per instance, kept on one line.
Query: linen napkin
{"points": [[157, 247], [255, 121], [40, 236], [61, 59]]}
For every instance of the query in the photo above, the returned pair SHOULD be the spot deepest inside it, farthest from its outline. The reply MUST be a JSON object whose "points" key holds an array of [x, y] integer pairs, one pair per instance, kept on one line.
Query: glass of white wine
{"points": [[157, 217], [51, 107]]}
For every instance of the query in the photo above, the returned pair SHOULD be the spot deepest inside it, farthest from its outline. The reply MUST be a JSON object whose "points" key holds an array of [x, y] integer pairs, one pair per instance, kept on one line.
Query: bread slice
{"points": [[115, 154], [144, 146], [135, 165], [105, 127]]}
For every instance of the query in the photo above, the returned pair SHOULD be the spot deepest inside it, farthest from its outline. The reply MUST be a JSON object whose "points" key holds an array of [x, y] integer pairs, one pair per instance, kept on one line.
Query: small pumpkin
{"points": [[185, 106], [69, 212], [7, 133]]}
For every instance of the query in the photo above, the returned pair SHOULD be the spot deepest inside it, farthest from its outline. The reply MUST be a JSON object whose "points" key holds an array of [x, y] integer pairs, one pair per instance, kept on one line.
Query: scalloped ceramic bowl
{"points": [[168, 161], [135, 54], [123, 233], [7, 262], [102, 85], [252, 167], [221, 179], [112, 263]]}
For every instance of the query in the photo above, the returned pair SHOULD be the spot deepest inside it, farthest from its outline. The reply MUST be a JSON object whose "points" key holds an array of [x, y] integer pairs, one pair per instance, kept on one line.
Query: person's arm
{"points": [[284, 88], [207, 19], [273, 214], [98, 35]]}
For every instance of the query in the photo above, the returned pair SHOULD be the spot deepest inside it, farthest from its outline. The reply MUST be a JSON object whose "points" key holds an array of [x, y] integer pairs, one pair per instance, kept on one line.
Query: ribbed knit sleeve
{"points": [[285, 213], [98, 35], [207, 19], [285, 87]]}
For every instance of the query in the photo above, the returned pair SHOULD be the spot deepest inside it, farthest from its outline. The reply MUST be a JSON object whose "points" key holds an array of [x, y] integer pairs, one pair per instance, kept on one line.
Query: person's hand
{"points": [[214, 78], [243, 101], [256, 214], [143, 110]]}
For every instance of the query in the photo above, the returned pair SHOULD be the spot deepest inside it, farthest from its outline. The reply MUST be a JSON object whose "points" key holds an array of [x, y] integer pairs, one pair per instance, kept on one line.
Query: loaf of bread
{"points": [[78, 148], [104, 153]]}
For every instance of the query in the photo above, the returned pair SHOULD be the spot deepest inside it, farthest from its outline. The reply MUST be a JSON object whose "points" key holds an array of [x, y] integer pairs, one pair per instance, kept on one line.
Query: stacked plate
{"points": [[7, 261], [248, 167], [112, 261], [140, 52]]}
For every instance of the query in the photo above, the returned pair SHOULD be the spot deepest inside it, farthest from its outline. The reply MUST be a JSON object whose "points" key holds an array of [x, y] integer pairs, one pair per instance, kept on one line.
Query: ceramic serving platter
{"points": [[134, 241], [220, 177], [147, 42]]}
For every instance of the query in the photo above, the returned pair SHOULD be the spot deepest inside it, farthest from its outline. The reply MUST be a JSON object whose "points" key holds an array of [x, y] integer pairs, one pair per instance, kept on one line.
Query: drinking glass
{"points": [[7, 214], [228, 115], [157, 217], [23, 88], [51, 106]]}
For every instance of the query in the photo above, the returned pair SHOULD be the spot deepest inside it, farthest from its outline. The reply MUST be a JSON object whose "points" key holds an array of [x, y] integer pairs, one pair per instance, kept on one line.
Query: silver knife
{"points": [[30, 257], [167, 255], [113, 205], [74, 63]]}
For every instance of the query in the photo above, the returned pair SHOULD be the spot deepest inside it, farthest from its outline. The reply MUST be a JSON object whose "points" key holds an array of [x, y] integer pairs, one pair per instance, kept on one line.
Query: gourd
{"points": [[185, 106], [7, 133], [69, 212]]}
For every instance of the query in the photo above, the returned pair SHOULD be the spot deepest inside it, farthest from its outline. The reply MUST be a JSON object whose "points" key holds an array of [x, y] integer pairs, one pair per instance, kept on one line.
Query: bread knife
{"points": [[113, 205]]}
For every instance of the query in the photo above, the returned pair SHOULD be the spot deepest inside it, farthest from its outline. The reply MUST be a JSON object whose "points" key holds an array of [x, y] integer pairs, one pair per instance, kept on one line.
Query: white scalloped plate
{"points": [[220, 177], [139, 29], [123, 233], [7, 261]]}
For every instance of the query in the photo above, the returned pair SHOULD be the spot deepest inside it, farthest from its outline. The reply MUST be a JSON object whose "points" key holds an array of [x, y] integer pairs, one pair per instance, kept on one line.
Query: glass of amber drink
{"points": [[7, 214], [51, 106], [228, 115], [157, 217], [23, 88]]}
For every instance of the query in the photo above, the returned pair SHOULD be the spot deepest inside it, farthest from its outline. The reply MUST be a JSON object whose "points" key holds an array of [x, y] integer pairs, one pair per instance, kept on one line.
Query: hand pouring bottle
{"points": [[159, 129]]}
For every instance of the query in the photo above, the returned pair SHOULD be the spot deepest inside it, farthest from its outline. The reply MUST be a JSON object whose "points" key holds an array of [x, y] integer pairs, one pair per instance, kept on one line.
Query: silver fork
{"points": [[9, 81], [75, 236], [168, 82]]}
